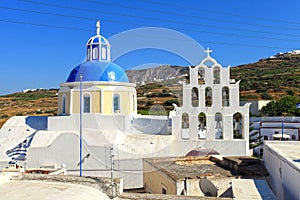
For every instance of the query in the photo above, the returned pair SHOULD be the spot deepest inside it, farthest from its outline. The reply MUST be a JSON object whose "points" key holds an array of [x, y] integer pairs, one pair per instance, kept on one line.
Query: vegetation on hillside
{"points": [[43, 102], [269, 78]]}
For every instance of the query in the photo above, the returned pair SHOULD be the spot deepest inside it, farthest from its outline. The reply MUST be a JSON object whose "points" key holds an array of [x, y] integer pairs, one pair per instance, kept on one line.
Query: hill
{"points": [[269, 78], [43, 102]]}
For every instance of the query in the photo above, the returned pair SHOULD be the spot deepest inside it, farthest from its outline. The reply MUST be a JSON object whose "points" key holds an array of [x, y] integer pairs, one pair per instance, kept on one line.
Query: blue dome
{"points": [[98, 71]]}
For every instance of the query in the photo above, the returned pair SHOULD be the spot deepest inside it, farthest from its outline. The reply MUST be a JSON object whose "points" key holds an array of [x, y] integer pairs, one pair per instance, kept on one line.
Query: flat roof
{"points": [[189, 167], [286, 150], [246, 189]]}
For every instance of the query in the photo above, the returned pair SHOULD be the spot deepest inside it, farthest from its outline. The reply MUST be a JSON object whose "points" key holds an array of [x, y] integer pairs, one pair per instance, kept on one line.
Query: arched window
{"points": [[237, 120], [201, 126], [216, 75], [95, 52], [185, 121], [225, 96], [63, 106], [219, 126], [104, 52], [195, 97], [185, 125], [116, 101], [201, 76], [208, 97], [89, 53], [86, 103]]}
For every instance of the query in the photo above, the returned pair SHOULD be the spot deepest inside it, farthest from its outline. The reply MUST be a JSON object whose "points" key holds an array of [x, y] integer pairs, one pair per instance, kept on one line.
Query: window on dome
{"points": [[104, 52], [88, 53], [116, 102], [95, 52], [86, 103]]}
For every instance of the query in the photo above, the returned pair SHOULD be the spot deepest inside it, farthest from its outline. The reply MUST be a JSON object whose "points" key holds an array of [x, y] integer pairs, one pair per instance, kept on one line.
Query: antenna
{"points": [[208, 188]]}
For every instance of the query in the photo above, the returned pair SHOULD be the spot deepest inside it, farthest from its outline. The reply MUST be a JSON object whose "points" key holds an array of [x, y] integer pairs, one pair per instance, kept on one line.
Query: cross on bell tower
{"points": [[208, 51]]}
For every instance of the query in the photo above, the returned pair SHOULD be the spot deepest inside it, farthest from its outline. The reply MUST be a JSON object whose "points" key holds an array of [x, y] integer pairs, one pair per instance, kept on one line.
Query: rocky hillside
{"points": [[156, 74]]}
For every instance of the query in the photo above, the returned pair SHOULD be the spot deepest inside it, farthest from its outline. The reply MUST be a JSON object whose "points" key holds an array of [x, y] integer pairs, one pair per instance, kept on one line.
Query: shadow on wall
{"points": [[37, 122]]}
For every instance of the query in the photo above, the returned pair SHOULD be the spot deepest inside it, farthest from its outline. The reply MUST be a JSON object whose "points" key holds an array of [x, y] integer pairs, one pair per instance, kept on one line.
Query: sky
{"points": [[42, 41]]}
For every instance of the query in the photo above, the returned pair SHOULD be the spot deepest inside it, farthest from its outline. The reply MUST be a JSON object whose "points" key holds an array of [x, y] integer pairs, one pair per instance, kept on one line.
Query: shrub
{"points": [[266, 96], [171, 101]]}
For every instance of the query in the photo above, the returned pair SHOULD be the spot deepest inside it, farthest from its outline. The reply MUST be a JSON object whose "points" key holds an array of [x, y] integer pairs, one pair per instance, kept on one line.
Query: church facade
{"points": [[209, 118]]}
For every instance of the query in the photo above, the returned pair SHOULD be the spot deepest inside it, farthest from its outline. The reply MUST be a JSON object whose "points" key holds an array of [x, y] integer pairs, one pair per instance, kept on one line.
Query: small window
{"points": [[63, 104], [89, 53], [104, 52], [95, 52], [201, 76], [116, 101], [133, 103], [216, 75], [208, 97], [225, 96], [86, 103], [163, 189], [185, 121], [195, 97]]}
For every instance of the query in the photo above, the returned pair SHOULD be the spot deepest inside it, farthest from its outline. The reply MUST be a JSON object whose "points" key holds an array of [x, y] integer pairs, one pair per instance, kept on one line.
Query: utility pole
{"points": [[112, 171], [80, 128]]}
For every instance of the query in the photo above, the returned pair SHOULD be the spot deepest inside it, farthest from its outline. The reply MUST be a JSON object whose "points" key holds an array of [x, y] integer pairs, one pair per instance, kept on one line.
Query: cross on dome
{"points": [[207, 51], [98, 27]]}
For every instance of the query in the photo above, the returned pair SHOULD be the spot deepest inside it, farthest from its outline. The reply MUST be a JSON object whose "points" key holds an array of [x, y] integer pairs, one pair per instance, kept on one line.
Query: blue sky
{"points": [[42, 41]]}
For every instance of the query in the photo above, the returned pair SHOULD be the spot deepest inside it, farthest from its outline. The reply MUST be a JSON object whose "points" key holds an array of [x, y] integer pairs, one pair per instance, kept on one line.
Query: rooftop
{"points": [[287, 150], [189, 167]]}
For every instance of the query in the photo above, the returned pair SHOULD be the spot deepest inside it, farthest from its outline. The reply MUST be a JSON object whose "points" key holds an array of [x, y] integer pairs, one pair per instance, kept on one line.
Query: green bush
{"points": [[266, 96], [171, 101]]}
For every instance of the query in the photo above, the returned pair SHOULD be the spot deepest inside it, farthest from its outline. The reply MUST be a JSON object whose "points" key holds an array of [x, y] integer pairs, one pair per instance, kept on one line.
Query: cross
{"points": [[207, 51], [98, 27]]}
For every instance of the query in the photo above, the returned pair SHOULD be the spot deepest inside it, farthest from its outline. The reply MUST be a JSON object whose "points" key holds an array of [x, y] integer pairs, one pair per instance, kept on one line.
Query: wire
{"points": [[168, 38], [45, 25], [151, 18], [184, 15], [138, 24], [219, 12]]}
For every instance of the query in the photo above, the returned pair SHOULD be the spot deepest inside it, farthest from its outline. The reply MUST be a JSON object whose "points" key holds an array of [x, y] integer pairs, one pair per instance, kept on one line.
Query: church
{"points": [[97, 117]]}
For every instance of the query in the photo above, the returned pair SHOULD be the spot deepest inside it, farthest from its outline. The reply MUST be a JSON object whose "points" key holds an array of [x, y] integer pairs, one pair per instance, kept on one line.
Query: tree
{"points": [[285, 106]]}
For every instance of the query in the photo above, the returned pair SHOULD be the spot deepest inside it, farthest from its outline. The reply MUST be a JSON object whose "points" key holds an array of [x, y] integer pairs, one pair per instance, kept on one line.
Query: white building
{"points": [[256, 105], [282, 160], [110, 124]]}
